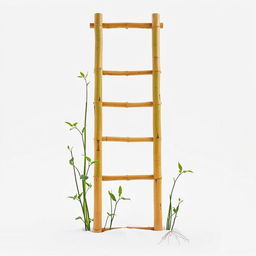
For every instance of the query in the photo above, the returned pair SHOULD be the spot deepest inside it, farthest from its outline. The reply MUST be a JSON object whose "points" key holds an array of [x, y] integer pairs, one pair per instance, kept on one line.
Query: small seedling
{"points": [[173, 211], [82, 176], [116, 200]]}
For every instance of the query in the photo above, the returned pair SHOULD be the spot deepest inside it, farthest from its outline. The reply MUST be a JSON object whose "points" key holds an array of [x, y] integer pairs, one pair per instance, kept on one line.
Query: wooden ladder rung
{"points": [[127, 139], [127, 177], [147, 228], [127, 104], [126, 25], [127, 73]]}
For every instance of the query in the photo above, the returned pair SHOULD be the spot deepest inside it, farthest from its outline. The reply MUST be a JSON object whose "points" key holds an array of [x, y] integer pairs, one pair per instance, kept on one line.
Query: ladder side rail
{"points": [[156, 121], [97, 223]]}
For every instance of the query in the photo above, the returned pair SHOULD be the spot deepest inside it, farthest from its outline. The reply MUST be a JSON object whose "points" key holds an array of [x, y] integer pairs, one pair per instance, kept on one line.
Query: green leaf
{"points": [[112, 196], [79, 196], [110, 214], [71, 161], [120, 191], [88, 158], [70, 148], [79, 218], [82, 74], [187, 171], [75, 124], [88, 184], [69, 124], [94, 162], [83, 177], [180, 166], [125, 198], [73, 197], [83, 129]]}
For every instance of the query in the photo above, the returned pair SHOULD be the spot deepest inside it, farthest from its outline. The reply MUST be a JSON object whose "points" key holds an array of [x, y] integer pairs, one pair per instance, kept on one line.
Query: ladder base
{"points": [[146, 228]]}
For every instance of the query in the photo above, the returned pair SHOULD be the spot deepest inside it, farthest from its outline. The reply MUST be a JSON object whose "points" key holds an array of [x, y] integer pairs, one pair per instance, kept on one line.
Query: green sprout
{"points": [[81, 177], [173, 211], [114, 200]]}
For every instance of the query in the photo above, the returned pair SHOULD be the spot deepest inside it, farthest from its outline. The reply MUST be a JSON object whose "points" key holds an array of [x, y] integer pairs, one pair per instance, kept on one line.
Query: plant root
{"points": [[174, 233]]}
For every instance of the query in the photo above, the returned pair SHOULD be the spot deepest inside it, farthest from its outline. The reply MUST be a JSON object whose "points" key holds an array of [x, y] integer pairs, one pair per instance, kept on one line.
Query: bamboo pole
{"points": [[126, 25], [127, 104], [97, 224], [126, 73], [128, 139], [156, 122], [147, 228], [128, 177]]}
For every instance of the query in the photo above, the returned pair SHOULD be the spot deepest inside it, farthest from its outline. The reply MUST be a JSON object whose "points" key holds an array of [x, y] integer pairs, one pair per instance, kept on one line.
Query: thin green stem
{"points": [[176, 214], [84, 205], [111, 211], [85, 122], [83, 136], [111, 206], [83, 200], [77, 170], [174, 222], [169, 216], [106, 222], [114, 212], [79, 131], [85, 163], [77, 187], [86, 209], [88, 168]]}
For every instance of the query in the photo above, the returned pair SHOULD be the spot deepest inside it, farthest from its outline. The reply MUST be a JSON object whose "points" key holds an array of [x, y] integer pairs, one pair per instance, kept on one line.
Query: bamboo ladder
{"points": [[155, 104]]}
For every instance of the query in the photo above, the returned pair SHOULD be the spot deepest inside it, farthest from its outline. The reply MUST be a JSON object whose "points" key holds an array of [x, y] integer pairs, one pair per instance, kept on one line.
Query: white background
{"points": [[208, 124]]}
